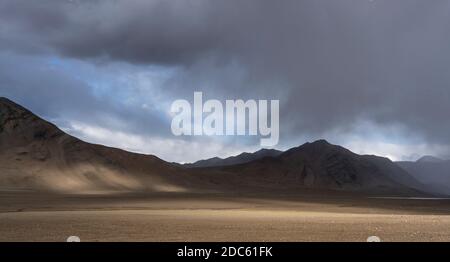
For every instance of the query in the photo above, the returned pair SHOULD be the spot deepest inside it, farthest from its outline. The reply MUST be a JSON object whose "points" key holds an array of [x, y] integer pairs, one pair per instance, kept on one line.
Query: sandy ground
{"points": [[26, 216]]}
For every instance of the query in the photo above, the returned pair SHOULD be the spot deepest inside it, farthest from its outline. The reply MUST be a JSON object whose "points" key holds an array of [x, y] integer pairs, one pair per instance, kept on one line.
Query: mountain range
{"points": [[234, 160], [37, 155]]}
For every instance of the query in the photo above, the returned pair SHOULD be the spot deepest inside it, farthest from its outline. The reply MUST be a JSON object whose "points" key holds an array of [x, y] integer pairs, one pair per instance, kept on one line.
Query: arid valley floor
{"points": [[27, 216]]}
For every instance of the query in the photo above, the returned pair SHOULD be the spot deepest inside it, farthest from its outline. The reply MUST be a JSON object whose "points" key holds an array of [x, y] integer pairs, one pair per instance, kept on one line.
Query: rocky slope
{"points": [[35, 154]]}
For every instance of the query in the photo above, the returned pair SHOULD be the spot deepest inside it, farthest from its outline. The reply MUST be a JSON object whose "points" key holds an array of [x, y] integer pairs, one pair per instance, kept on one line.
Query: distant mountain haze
{"points": [[431, 171], [36, 155], [430, 159]]}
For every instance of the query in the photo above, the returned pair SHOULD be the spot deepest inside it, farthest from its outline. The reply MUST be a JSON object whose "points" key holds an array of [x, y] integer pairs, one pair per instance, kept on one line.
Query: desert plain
{"points": [[310, 216]]}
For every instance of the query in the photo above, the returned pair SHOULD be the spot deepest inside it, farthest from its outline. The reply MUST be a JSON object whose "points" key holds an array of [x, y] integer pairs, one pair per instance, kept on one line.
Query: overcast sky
{"points": [[371, 75]]}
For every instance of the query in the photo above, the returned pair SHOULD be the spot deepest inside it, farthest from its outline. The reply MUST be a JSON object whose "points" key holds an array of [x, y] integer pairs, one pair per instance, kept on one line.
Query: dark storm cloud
{"points": [[331, 63], [136, 31]]}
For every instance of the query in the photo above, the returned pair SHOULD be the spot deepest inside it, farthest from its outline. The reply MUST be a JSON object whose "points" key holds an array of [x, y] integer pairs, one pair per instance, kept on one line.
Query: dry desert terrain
{"points": [[31, 216]]}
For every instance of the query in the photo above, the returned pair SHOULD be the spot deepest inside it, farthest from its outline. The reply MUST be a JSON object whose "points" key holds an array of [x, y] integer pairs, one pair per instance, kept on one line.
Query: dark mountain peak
{"points": [[318, 144], [315, 149], [19, 126], [11, 112], [323, 145], [321, 142], [9, 108], [4, 99]]}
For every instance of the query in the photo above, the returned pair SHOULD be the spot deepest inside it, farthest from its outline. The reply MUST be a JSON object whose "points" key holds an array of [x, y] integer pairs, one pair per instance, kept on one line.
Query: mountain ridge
{"points": [[241, 158], [38, 155]]}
